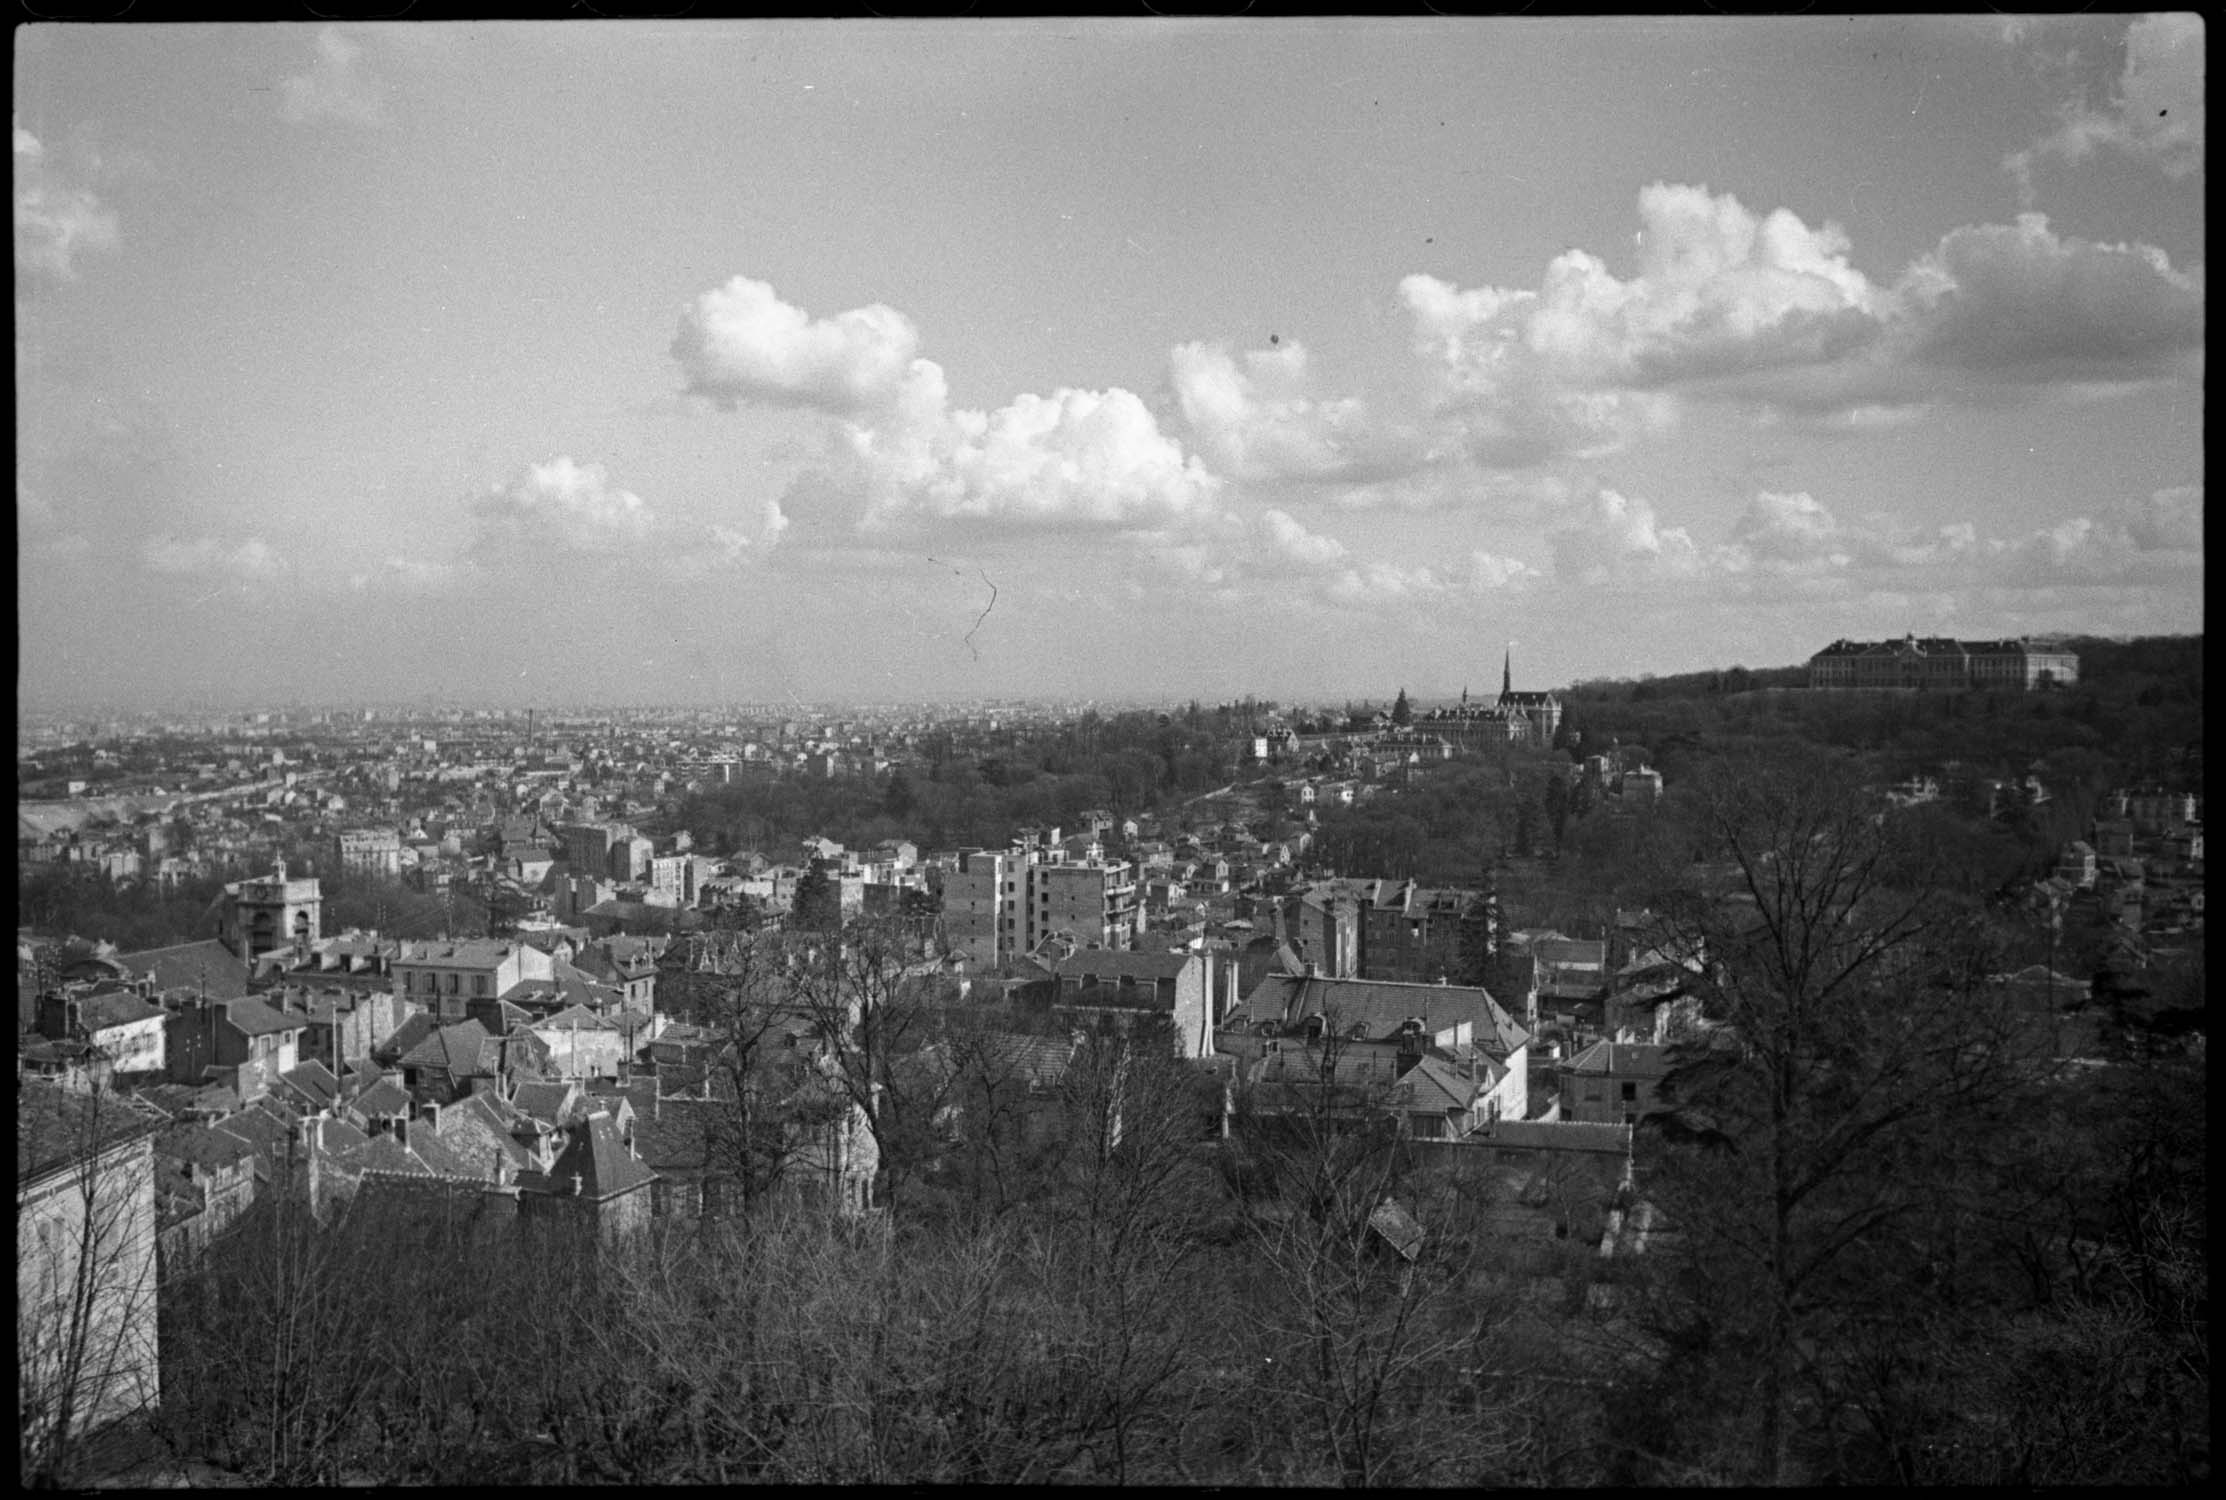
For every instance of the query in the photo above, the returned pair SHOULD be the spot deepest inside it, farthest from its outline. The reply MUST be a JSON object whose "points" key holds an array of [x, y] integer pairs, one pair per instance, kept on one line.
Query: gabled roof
{"points": [[603, 1166], [314, 1083], [453, 1049], [1379, 1008], [572, 1017], [115, 1008], [203, 1147], [384, 1099], [413, 1030]]}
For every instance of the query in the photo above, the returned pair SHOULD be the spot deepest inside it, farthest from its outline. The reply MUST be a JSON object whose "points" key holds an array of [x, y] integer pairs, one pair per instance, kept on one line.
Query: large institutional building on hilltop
{"points": [[1937, 662]]}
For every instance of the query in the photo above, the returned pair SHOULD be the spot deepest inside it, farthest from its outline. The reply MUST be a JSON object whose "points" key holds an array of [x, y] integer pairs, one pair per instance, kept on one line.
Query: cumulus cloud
{"points": [[723, 547], [206, 557], [336, 87], [1257, 422], [1281, 551], [2022, 303], [1766, 311], [2155, 112], [55, 219], [1612, 537], [559, 506], [740, 343], [1075, 458]]}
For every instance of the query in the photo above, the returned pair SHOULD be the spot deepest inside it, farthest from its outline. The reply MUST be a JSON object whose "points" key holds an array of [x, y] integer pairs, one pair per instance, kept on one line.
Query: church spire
{"points": [[1507, 674]]}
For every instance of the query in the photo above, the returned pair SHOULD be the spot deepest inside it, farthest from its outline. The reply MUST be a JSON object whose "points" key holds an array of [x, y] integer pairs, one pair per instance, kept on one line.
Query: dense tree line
{"points": [[1127, 764]]}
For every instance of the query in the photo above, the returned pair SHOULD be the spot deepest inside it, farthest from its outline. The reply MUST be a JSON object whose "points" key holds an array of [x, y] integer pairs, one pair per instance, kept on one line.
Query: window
{"points": [[1630, 1092], [479, 987]]}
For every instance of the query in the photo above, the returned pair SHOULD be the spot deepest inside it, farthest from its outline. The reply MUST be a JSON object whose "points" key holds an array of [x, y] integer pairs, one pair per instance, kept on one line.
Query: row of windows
{"points": [[480, 984]]}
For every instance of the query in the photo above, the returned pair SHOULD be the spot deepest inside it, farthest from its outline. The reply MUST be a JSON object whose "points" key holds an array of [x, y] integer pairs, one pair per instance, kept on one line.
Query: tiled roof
{"points": [[1105, 963], [420, 1025], [116, 1008], [203, 1147], [383, 1099], [602, 1165], [314, 1082]]}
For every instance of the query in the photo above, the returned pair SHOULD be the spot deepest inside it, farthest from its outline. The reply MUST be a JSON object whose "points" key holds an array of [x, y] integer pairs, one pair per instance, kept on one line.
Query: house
{"points": [[1190, 991], [595, 1179], [87, 1346], [1613, 1083], [449, 1063], [206, 968], [246, 1042], [1363, 1033], [126, 1029], [445, 976], [581, 1043], [205, 1178]]}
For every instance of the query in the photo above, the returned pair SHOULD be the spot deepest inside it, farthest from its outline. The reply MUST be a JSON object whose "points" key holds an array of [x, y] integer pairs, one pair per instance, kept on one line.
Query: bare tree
{"points": [[86, 1317]]}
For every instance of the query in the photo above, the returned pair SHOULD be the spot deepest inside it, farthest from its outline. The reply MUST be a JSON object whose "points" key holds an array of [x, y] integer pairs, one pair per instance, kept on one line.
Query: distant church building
{"points": [[1538, 713], [257, 916], [1520, 717]]}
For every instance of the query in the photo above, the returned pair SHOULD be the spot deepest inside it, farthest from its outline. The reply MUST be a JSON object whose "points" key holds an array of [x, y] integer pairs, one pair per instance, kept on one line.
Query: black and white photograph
{"points": [[1222, 750]]}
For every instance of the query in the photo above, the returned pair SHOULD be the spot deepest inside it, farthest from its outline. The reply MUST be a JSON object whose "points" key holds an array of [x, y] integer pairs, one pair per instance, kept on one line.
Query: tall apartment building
{"points": [[368, 851], [1940, 662], [1002, 902]]}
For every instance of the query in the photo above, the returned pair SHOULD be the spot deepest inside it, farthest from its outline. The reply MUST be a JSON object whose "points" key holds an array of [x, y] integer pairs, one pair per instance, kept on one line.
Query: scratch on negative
{"points": [[992, 604]]}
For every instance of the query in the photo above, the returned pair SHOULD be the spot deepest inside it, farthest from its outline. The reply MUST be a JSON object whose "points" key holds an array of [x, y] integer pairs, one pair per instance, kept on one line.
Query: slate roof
{"points": [[314, 1083], [420, 1025], [1379, 1007], [455, 1050], [382, 1100], [116, 1008], [604, 1168], [253, 1017], [55, 1126], [181, 966], [203, 1147]]}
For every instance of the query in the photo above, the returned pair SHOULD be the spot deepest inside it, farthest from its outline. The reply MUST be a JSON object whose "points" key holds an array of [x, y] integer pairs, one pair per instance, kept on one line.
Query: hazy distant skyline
{"points": [[697, 362]]}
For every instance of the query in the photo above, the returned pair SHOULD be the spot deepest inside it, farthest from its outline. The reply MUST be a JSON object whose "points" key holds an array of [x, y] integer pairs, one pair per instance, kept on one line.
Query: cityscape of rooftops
{"points": [[1365, 751]]}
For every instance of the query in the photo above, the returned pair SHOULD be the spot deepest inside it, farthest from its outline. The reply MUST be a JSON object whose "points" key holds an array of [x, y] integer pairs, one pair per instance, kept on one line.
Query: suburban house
{"points": [[1612, 1083]]}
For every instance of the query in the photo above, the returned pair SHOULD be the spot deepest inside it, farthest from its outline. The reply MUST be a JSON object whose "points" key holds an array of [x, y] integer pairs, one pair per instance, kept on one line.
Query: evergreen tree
{"points": [[818, 905], [1401, 713]]}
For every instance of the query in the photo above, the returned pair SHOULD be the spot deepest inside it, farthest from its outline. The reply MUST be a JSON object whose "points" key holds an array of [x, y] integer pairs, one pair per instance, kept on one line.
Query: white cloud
{"points": [[1075, 458], [1612, 537], [411, 575], [206, 557], [2155, 114], [1293, 543], [55, 220], [336, 87], [1258, 424], [559, 506], [734, 546], [741, 343], [1768, 312]]}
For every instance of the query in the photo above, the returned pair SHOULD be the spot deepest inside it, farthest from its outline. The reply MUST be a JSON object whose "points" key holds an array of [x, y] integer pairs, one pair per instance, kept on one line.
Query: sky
{"points": [[637, 363]]}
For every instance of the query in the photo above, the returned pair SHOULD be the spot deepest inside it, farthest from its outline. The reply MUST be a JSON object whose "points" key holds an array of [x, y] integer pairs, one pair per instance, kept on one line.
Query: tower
{"points": [[270, 913], [1507, 675]]}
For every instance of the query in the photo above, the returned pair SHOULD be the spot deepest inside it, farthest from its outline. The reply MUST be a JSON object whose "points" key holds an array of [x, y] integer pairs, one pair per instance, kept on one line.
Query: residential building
{"points": [[1613, 1083], [374, 852], [446, 975], [245, 1043], [1189, 991], [87, 1346]]}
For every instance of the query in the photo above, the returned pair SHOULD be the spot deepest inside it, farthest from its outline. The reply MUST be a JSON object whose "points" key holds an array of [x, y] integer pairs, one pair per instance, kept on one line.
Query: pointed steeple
{"points": [[1507, 674]]}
